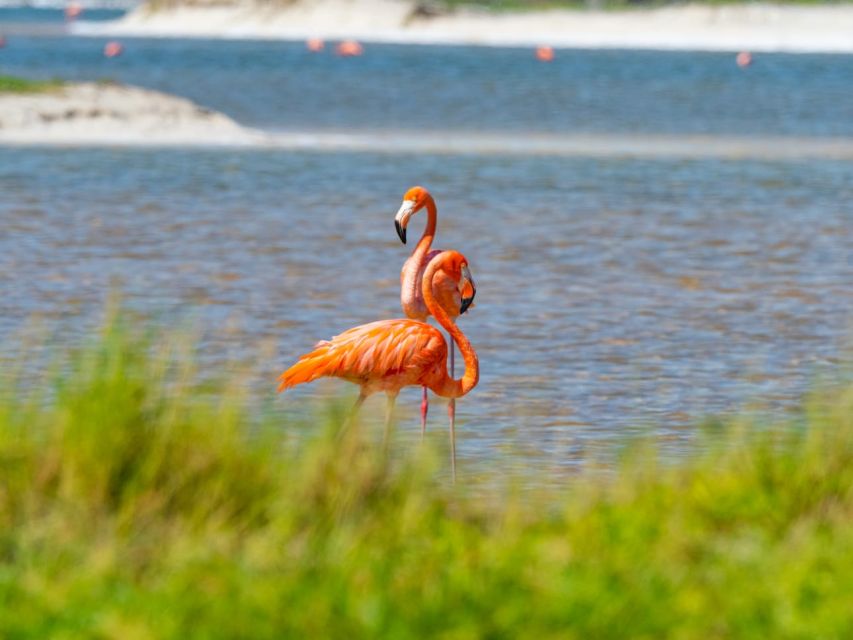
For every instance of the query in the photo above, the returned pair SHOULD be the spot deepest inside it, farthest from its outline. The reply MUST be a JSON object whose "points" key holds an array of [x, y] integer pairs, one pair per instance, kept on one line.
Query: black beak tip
{"points": [[401, 231], [466, 302]]}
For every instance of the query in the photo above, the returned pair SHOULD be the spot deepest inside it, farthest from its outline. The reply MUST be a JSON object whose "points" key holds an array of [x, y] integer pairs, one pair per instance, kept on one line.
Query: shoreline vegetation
{"points": [[621, 24], [14, 85], [139, 500]]}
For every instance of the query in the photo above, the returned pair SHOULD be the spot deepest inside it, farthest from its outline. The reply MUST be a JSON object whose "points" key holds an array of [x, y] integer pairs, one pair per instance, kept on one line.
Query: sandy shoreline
{"points": [[103, 114], [756, 27]]}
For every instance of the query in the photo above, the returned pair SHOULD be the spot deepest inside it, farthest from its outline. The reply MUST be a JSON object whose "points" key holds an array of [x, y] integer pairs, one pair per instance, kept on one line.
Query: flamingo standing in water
{"points": [[391, 354], [412, 275]]}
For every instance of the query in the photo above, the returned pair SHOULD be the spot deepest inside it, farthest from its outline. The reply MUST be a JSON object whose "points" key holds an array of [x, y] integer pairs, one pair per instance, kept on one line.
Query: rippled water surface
{"points": [[613, 292]]}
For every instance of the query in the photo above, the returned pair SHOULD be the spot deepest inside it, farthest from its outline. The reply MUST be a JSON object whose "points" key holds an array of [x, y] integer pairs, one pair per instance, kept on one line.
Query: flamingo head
{"points": [[467, 289], [456, 266], [415, 199]]}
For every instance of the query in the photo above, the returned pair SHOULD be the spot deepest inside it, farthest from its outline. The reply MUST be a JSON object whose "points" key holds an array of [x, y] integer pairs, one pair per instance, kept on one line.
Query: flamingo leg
{"points": [[451, 413], [389, 414], [352, 414], [424, 410], [358, 402]]}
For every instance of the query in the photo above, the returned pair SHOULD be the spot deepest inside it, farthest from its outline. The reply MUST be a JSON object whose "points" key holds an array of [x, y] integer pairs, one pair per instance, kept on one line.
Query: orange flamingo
{"points": [[391, 354], [412, 275]]}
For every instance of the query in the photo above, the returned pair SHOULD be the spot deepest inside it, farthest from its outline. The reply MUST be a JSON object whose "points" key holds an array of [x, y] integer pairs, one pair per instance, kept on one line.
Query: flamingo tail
{"points": [[308, 368]]}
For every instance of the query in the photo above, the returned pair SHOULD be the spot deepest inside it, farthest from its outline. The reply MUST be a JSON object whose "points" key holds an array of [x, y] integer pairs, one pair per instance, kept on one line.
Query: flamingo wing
{"points": [[372, 353]]}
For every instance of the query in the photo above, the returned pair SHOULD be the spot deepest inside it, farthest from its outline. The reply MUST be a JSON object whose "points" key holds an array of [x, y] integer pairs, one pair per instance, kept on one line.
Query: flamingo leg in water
{"points": [[451, 412], [424, 409]]}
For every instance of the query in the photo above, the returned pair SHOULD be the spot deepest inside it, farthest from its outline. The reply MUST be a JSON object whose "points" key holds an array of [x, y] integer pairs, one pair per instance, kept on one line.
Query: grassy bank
{"points": [[137, 501], [13, 84]]}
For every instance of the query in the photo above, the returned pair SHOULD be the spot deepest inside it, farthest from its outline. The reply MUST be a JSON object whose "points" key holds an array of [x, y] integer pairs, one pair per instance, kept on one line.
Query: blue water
{"points": [[613, 293]]}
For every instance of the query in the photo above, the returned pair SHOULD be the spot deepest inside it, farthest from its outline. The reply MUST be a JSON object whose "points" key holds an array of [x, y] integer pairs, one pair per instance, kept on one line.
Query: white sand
{"points": [[104, 114], [755, 27]]}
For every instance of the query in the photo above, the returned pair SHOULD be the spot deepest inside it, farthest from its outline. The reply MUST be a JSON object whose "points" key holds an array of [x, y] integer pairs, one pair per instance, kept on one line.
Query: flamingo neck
{"points": [[414, 265], [446, 386]]}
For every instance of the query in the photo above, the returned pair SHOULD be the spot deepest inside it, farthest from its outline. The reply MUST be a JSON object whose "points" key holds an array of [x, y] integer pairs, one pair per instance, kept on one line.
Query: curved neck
{"points": [[425, 242], [412, 269], [446, 386]]}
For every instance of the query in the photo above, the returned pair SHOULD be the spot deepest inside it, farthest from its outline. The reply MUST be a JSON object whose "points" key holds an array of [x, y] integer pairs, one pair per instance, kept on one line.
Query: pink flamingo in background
{"points": [[412, 275], [391, 354]]}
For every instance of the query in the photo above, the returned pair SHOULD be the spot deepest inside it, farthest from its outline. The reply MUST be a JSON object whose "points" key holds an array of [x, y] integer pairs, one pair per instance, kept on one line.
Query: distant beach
{"points": [[755, 27]]}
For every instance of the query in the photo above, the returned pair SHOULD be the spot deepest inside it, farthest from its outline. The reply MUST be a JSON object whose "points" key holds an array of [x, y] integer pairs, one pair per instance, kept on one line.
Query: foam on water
{"points": [[567, 146], [484, 144]]}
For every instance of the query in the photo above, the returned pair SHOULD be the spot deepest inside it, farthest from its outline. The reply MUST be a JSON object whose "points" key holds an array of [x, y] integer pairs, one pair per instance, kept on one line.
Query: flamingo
{"points": [[391, 354], [412, 274]]}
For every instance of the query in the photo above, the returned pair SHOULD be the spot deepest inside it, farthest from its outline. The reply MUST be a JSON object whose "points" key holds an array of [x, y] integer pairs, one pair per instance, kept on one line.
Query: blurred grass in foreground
{"points": [[137, 502]]}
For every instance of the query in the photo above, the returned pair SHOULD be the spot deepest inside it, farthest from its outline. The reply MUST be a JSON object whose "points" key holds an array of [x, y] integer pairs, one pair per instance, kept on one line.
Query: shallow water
{"points": [[614, 293]]}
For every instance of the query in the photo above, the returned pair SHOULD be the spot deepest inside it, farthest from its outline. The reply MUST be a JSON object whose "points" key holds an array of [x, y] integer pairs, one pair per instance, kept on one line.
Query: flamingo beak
{"points": [[467, 279], [401, 220]]}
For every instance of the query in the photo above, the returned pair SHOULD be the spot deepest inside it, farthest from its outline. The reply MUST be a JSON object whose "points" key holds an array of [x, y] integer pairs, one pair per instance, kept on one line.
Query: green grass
{"points": [[12, 84], [138, 500]]}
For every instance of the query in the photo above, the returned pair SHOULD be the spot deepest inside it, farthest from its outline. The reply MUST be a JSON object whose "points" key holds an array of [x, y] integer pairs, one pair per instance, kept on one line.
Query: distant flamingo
{"points": [[391, 354], [544, 53], [349, 49], [73, 10], [743, 59], [315, 45], [113, 49], [412, 275]]}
